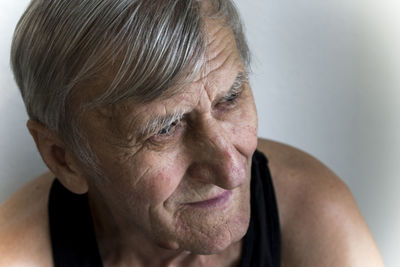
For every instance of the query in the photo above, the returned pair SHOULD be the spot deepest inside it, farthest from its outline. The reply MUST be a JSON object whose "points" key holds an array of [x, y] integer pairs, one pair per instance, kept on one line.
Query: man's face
{"points": [[183, 180]]}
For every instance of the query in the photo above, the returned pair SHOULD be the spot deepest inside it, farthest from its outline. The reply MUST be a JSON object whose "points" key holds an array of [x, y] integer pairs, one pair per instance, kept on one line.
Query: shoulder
{"points": [[320, 221], [24, 231]]}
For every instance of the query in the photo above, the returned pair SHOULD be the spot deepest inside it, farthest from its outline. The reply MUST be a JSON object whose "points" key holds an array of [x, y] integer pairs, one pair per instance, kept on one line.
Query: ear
{"points": [[58, 158]]}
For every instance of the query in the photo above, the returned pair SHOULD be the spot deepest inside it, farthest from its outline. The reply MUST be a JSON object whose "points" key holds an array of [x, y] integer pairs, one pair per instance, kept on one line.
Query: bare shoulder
{"points": [[320, 222], [24, 232]]}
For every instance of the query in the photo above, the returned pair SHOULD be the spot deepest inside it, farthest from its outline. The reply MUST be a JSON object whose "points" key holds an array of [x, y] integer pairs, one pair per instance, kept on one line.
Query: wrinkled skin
{"points": [[149, 181]]}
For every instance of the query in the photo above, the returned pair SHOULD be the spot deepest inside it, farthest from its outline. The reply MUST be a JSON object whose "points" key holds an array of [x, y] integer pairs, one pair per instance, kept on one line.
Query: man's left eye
{"points": [[232, 98]]}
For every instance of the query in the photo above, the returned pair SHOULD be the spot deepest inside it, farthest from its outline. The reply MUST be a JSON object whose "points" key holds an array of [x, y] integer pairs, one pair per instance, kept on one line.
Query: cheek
{"points": [[159, 180], [160, 185]]}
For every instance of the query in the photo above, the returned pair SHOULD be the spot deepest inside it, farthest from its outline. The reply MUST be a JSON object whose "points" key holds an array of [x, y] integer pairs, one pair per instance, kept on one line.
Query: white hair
{"points": [[136, 49]]}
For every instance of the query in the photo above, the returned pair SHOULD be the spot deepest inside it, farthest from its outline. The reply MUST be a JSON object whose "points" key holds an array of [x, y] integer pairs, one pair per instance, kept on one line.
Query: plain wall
{"points": [[324, 79]]}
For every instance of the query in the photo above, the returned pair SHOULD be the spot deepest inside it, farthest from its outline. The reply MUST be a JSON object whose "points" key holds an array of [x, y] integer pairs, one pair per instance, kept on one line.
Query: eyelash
{"points": [[173, 125], [167, 133], [231, 100]]}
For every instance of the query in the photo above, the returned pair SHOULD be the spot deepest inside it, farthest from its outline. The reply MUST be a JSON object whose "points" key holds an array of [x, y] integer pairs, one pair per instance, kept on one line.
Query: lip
{"points": [[216, 202]]}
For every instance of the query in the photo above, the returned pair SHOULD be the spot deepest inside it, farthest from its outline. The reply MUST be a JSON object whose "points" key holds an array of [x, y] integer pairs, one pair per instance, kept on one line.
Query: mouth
{"points": [[219, 201]]}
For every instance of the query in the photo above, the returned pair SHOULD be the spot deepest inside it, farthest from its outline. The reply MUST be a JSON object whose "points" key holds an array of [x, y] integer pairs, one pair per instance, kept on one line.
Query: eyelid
{"points": [[169, 124], [237, 87], [173, 133], [233, 94], [157, 124]]}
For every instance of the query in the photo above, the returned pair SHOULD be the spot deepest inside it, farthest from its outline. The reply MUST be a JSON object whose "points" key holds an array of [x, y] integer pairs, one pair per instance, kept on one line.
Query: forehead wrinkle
{"points": [[207, 81], [217, 33], [214, 35], [218, 36], [222, 55], [214, 81], [216, 52]]}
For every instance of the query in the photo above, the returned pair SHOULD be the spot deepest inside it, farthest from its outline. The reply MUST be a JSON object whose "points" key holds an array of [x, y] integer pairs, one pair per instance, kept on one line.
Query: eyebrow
{"points": [[160, 121], [237, 85]]}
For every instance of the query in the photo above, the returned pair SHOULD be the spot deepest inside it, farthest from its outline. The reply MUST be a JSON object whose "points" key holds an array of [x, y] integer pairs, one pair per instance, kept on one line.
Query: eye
{"points": [[168, 134], [169, 129], [230, 100]]}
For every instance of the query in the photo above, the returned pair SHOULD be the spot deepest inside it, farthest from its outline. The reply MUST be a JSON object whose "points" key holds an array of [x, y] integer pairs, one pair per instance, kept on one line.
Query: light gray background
{"points": [[325, 80]]}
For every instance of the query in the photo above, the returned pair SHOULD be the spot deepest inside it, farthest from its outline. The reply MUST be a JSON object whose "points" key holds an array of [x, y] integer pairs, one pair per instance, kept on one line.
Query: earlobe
{"points": [[58, 158]]}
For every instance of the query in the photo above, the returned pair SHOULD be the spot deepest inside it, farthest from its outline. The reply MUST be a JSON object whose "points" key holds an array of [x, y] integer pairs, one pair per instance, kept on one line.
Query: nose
{"points": [[215, 160]]}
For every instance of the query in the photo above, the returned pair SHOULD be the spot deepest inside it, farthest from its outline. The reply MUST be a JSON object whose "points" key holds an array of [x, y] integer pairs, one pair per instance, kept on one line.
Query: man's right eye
{"points": [[169, 133], [169, 129]]}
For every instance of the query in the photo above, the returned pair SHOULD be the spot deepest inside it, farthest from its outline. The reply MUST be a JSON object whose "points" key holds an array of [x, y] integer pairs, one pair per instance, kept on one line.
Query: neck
{"points": [[122, 245]]}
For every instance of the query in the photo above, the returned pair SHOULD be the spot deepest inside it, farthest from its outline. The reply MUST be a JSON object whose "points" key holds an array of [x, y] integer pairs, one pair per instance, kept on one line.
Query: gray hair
{"points": [[137, 49]]}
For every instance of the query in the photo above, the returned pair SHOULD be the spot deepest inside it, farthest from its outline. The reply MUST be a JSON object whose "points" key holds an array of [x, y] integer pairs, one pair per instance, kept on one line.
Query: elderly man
{"points": [[144, 115]]}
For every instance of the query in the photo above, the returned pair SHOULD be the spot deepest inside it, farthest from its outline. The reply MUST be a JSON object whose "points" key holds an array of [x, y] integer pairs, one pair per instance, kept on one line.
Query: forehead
{"points": [[222, 57], [221, 66]]}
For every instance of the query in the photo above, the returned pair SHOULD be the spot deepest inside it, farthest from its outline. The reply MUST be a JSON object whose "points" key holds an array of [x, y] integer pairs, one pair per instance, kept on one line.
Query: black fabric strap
{"points": [[71, 228], [262, 242]]}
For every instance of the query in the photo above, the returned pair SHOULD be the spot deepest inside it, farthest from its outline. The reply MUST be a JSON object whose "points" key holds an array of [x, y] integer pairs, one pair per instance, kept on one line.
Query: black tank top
{"points": [[74, 243]]}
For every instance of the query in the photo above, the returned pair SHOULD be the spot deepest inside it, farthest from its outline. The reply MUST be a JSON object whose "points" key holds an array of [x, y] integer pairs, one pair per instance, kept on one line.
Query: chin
{"points": [[218, 239]]}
